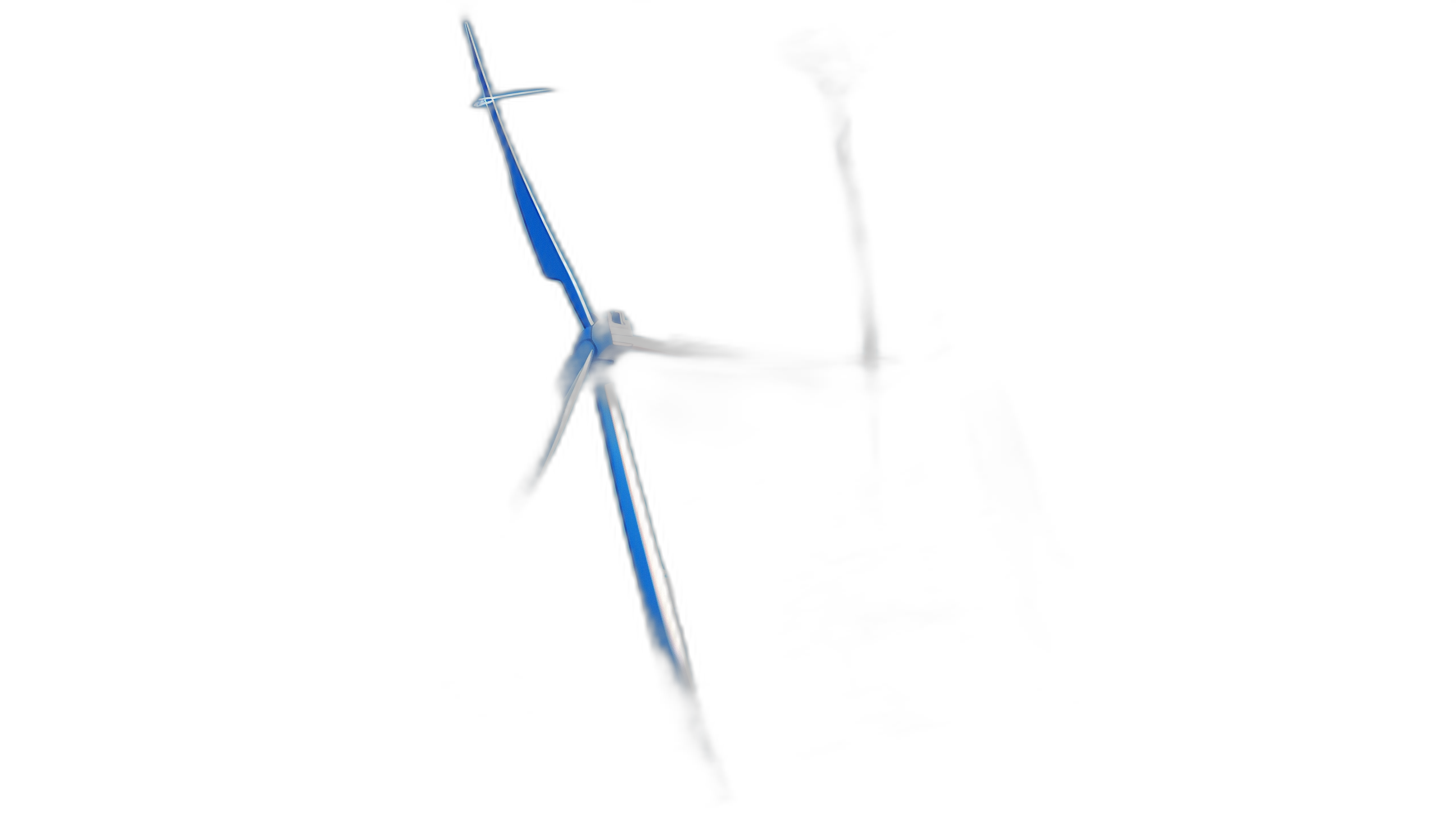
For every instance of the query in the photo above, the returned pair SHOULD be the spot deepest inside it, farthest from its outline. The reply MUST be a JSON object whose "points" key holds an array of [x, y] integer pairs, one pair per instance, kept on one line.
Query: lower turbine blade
{"points": [[658, 611], [581, 361]]}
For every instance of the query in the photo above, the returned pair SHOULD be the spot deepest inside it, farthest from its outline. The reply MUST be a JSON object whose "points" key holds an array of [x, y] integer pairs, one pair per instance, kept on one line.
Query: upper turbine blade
{"points": [[548, 253]]}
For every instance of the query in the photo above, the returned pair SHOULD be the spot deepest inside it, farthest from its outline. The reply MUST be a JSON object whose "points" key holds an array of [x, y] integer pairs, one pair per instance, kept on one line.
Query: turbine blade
{"points": [[658, 611], [549, 256], [698, 348], [573, 377]]}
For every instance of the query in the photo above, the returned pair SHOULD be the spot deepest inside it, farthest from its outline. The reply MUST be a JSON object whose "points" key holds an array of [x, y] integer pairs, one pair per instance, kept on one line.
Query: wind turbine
{"points": [[601, 342]]}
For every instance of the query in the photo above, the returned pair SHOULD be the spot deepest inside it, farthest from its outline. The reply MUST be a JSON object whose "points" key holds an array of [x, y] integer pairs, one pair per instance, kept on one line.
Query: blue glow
{"points": [[549, 257]]}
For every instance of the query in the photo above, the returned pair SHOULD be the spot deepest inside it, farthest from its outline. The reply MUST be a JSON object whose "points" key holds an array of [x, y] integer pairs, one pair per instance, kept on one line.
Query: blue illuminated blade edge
{"points": [[549, 256], [652, 580]]}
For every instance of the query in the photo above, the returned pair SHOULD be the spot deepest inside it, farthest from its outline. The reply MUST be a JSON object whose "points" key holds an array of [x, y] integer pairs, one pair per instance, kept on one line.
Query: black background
{"points": [[1044, 212]]}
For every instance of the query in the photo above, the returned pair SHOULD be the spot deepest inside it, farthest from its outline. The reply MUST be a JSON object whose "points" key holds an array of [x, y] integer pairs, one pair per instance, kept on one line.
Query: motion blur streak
{"points": [[867, 296]]}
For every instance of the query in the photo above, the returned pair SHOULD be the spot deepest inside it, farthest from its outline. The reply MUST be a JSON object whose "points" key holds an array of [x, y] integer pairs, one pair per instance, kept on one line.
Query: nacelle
{"points": [[612, 335]]}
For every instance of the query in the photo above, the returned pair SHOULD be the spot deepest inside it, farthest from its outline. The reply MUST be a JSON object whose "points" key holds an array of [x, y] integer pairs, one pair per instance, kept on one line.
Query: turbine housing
{"points": [[608, 338], [613, 335]]}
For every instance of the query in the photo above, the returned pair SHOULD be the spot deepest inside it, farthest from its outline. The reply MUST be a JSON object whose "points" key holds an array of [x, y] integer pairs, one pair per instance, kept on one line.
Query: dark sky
{"points": [[1031, 184]]}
